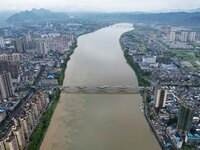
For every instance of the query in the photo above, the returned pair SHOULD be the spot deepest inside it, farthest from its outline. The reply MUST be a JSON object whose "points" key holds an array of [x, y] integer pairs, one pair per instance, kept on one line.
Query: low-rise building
{"points": [[149, 59], [2, 114], [191, 139]]}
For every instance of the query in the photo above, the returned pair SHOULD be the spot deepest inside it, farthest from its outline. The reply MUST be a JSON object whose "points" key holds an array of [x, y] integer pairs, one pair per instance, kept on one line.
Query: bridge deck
{"points": [[101, 89]]}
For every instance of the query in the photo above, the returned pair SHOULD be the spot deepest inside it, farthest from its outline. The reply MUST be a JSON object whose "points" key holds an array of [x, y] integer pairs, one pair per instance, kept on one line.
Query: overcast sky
{"points": [[100, 5]]}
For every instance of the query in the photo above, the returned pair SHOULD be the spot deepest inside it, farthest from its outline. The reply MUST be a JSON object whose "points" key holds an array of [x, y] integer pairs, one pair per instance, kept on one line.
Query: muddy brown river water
{"points": [[99, 121]]}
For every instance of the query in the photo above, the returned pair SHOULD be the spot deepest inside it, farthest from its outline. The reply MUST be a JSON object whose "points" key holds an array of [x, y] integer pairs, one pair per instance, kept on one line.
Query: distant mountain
{"points": [[195, 10], [171, 18], [190, 18], [5, 14], [36, 15]]}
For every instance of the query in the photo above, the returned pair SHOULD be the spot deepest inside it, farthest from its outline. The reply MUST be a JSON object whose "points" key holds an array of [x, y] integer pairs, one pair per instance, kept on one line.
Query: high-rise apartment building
{"points": [[6, 86], [160, 98], [19, 133], [166, 29], [28, 37], [31, 120], [21, 45], [1, 42], [192, 36], [172, 36], [15, 57], [184, 36], [35, 111], [24, 122], [18, 45], [11, 143], [185, 118], [42, 48], [2, 146], [4, 57]]}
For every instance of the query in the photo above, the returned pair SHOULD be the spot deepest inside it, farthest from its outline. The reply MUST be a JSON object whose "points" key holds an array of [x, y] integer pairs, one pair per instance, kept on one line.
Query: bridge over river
{"points": [[83, 89]]}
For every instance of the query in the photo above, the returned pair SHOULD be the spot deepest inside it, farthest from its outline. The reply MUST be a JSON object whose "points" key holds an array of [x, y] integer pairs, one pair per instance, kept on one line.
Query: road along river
{"points": [[99, 121]]}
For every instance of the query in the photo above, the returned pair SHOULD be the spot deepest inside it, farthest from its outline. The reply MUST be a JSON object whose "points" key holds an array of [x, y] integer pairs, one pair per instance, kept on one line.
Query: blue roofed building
{"points": [[177, 141], [191, 139], [2, 114], [51, 76]]}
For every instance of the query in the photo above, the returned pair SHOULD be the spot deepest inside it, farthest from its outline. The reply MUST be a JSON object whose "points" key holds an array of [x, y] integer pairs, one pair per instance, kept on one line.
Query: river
{"points": [[99, 121]]}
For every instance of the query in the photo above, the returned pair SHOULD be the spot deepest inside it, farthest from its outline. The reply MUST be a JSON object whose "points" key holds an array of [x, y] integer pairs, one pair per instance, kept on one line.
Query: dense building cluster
{"points": [[160, 56], [26, 61], [32, 57], [22, 126]]}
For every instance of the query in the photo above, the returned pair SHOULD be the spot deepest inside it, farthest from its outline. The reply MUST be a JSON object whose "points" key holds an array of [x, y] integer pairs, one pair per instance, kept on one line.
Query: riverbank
{"points": [[63, 66], [148, 115], [76, 118], [143, 78], [39, 132]]}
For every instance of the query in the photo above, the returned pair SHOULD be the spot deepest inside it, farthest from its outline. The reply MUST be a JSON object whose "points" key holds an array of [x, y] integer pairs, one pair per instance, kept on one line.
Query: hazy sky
{"points": [[100, 5]]}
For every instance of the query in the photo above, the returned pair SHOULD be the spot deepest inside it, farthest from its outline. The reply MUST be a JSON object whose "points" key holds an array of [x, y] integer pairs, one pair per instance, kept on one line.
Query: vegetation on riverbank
{"points": [[142, 76], [40, 130], [39, 133], [148, 111], [61, 75]]}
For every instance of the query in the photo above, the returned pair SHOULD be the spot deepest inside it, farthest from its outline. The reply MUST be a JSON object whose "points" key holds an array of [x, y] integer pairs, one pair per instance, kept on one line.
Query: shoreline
{"points": [[38, 135], [40, 130], [141, 82]]}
